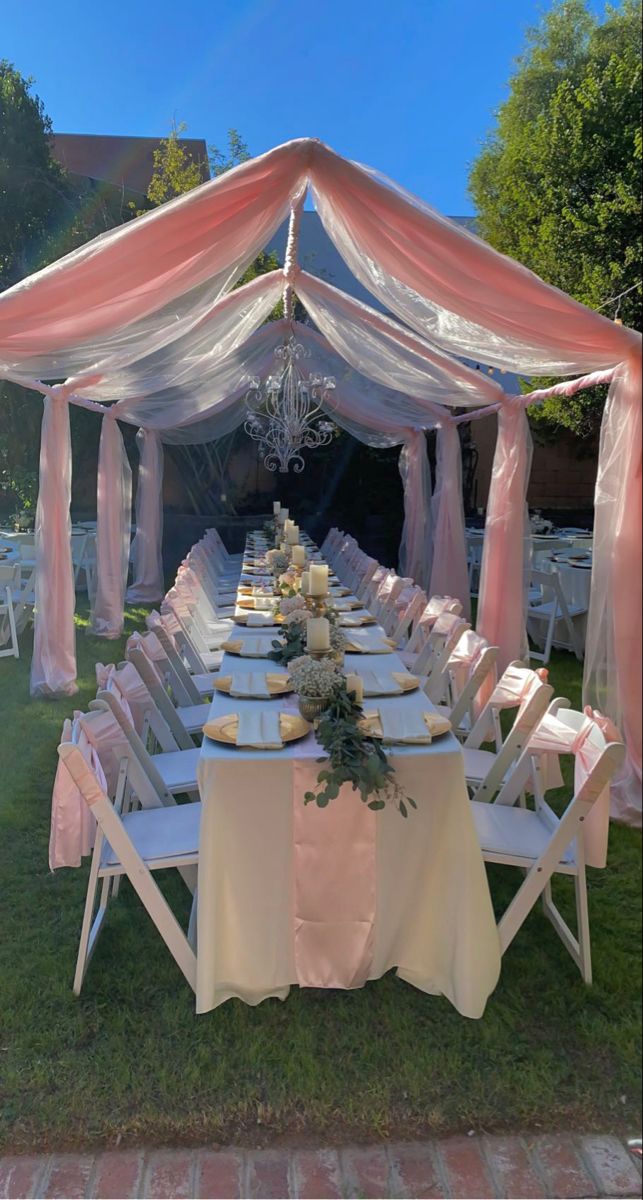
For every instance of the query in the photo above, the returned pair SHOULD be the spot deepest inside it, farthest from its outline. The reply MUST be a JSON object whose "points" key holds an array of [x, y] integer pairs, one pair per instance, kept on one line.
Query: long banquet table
{"points": [[293, 894]]}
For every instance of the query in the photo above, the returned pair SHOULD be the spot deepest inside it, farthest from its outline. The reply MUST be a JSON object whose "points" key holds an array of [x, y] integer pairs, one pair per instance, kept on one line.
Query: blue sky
{"points": [[406, 86]]}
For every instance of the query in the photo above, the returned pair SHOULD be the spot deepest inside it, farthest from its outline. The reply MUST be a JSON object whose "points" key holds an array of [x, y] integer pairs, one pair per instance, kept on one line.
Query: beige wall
{"points": [[558, 478]]}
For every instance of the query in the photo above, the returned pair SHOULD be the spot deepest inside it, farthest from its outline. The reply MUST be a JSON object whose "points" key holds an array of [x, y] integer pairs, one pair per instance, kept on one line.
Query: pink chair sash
{"points": [[100, 740], [465, 657], [149, 644], [554, 737], [436, 605], [515, 688], [126, 685], [73, 825]]}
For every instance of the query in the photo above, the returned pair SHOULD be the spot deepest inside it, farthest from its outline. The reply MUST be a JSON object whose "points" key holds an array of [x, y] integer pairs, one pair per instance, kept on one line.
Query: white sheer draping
{"points": [[114, 512], [416, 544], [503, 573], [147, 558], [612, 679], [449, 576], [381, 349]]}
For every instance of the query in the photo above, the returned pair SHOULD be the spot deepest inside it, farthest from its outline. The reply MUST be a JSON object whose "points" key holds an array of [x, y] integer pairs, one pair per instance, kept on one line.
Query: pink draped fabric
{"points": [[612, 681], [449, 576], [147, 585], [127, 686], [73, 826], [114, 505], [136, 268], [100, 740], [416, 546], [53, 666], [389, 236], [334, 891], [501, 604]]}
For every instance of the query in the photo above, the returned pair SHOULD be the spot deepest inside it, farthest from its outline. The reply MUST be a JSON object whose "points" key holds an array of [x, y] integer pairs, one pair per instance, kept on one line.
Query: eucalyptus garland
{"points": [[292, 644], [355, 758]]}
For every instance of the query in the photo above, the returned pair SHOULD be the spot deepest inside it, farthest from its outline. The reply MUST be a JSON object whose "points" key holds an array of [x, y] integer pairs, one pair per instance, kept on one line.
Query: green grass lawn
{"points": [[131, 1060]]}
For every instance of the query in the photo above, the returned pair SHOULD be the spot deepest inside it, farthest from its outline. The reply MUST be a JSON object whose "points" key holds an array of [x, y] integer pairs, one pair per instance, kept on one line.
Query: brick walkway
{"points": [[547, 1166]]}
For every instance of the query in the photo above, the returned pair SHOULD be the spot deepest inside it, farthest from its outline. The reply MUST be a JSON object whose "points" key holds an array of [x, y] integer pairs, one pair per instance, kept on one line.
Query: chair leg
{"points": [[12, 625], [582, 916], [82, 961]]}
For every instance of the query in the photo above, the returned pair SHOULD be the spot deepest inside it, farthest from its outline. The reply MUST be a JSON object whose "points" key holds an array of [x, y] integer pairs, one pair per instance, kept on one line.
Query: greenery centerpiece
{"points": [[294, 615], [316, 682], [354, 758]]}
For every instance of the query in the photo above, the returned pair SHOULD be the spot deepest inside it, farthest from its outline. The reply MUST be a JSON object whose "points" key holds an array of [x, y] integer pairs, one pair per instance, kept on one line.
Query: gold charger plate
{"points": [[436, 726], [224, 729], [278, 685], [242, 618], [237, 648], [408, 683], [356, 649]]}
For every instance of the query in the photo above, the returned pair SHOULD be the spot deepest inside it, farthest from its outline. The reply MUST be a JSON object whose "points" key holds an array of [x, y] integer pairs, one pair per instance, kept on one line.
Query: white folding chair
{"points": [[173, 770], [182, 720], [197, 684], [471, 663], [544, 845], [518, 688], [9, 582], [134, 844], [549, 606], [424, 624], [410, 603]]}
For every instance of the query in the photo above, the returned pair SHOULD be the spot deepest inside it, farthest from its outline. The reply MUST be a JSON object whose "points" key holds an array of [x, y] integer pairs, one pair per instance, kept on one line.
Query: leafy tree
{"points": [[44, 213], [237, 152], [557, 184]]}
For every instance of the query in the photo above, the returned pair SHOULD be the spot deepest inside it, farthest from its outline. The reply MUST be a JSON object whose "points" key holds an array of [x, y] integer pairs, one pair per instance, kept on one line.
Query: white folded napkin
{"points": [[352, 622], [259, 618], [366, 642], [403, 725], [256, 647], [249, 683], [259, 727], [380, 683]]}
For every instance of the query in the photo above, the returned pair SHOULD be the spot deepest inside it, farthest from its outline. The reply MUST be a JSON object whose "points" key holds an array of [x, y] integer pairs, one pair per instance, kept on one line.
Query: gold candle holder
{"points": [[316, 605], [318, 654]]}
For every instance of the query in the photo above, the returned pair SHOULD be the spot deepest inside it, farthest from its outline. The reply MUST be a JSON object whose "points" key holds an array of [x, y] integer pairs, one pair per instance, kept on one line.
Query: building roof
{"points": [[123, 161]]}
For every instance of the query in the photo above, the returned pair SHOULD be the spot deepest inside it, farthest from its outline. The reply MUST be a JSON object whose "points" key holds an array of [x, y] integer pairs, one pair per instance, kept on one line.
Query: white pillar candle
{"points": [[292, 535], [276, 507], [284, 547], [305, 583], [317, 634], [318, 579], [283, 515], [355, 683], [298, 556]]}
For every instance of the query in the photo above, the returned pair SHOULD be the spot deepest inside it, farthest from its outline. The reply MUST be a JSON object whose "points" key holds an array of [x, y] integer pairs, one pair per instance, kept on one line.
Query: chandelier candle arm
{"points": [[286, 412]]}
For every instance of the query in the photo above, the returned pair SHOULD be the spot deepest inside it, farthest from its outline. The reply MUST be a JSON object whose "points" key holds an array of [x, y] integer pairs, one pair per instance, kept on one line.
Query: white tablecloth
{"points": [[420, 898]]}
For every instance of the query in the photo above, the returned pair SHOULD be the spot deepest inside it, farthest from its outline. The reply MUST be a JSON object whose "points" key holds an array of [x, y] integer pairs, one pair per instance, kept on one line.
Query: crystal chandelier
{"points": [[285, 411]]}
